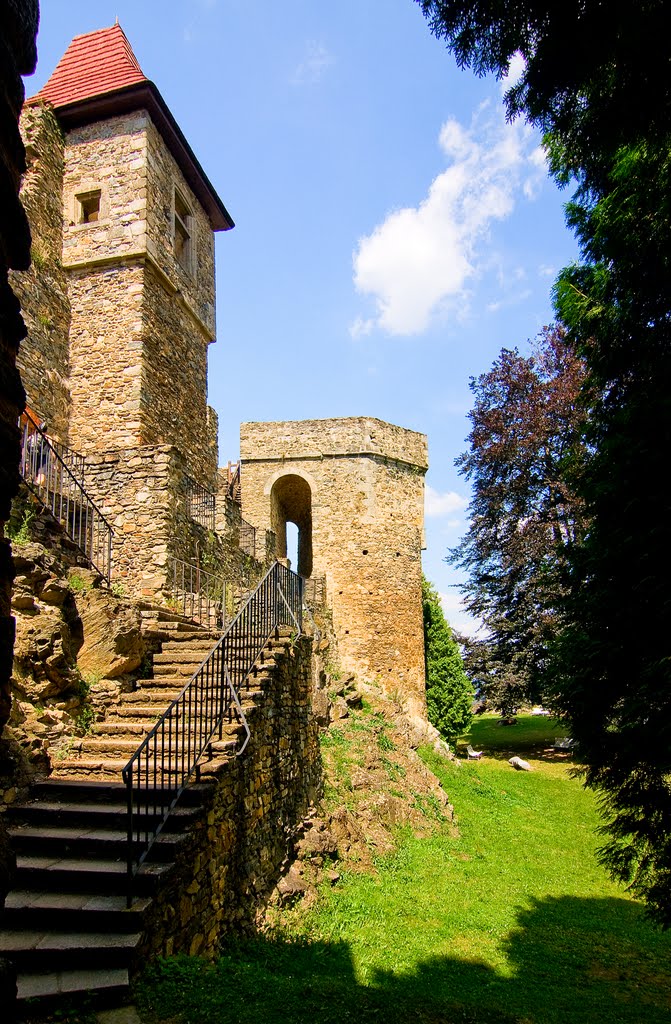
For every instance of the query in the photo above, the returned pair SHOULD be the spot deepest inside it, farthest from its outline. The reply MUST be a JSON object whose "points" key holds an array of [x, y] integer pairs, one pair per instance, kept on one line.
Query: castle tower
{"points": [[119, 301], [355, 489], [138, 249]]}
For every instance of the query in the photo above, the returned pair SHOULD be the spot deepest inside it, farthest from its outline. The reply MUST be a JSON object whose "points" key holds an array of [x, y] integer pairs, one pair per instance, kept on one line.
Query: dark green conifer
{"points": [[449, 694]]}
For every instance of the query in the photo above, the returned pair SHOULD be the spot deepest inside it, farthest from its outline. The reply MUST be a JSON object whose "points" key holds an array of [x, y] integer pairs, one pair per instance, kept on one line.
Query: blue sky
{"points": [[392, 231]]}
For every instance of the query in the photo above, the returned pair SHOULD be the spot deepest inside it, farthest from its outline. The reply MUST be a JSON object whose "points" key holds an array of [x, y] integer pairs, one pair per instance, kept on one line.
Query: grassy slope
{"points": [[510, 921]]}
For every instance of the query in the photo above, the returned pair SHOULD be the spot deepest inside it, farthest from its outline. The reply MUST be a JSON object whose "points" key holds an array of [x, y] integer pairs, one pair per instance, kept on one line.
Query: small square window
{"points": [[89, 207], [183, 228]]}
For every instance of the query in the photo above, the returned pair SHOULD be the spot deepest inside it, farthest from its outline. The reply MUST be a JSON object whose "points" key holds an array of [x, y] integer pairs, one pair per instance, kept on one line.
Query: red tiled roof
{"points": [[93, 64], [98, 77]]}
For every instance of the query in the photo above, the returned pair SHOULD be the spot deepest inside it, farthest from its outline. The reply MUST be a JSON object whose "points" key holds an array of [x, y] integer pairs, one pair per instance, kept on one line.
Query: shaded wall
{"points": [[236, 852], [43, 289], [18, 57]]}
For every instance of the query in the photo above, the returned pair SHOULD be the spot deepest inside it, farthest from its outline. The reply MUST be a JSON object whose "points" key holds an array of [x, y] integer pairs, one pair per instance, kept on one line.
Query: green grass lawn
{"points": [[510, 921], [530, 733]]}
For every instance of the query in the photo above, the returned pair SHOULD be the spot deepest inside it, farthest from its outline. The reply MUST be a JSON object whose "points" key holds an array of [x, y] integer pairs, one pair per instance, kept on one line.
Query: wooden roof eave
{"points": [[145, 96]]}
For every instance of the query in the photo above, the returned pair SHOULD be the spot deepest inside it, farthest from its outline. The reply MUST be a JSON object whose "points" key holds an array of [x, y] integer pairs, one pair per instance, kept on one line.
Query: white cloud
{"points": [[515, 72], [511, 299], [438, 505], [418, 263], [317, 59], [457, 616], [545, 270]]}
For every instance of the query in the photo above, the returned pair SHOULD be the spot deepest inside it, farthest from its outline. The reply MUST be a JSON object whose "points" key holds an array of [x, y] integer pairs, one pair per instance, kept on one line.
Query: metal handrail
{"points": [[233, 488], [247, 538], [159, 770], [198, 594], [201, 503], [48, 476]]}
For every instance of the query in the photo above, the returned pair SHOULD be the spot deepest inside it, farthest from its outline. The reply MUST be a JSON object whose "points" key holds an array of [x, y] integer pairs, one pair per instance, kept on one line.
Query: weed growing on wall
{"points": [[18, 527]]}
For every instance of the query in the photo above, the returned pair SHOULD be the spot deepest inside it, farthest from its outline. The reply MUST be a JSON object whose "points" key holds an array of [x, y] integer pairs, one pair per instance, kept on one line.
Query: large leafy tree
{"points": [[524, 517], [598, 82], [449, 694]]}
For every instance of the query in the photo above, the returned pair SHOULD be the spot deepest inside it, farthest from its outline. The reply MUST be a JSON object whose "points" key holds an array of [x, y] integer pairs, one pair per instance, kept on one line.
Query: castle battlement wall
{"points": [[355, 489], [315, 439]]}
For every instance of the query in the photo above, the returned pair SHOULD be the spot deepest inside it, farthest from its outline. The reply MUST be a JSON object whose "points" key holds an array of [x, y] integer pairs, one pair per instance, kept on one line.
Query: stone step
{"points": [[72, 911], [56, 950], [190, 645], [122, 727], [106, 793], [185, 635], [94, 793], [166, 616], [125, 747], [107, 984], [159, 695], [135, 711], [161, 683], [74, 814], [94, 769], [182, 669], [106, 766], [186, 657], [84, 875], [68, 841]]}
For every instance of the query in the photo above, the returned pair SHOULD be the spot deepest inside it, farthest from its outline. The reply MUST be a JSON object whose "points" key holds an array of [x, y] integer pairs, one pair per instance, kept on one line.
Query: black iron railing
{"points": [[198, 594], [159, 770], [233, 487], [47, 469], [247, 542], [200, 503]]}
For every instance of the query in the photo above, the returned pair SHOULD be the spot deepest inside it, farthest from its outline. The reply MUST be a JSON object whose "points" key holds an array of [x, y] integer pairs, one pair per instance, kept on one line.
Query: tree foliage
{"points": [[524, 517], [597, 82], [449, 695], [502, 685]]}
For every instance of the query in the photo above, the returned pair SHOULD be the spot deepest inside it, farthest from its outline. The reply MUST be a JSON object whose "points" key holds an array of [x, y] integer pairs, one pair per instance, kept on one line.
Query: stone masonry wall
{"points": [[106, 357], [235, 854], [136, 492], [174, 380], [143, 494], [43, 289], [194, 286], [366, 485], [111, 157]]}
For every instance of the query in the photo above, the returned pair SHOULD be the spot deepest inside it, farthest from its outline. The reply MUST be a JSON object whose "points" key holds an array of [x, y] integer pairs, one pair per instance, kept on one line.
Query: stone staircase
{"points": [[66, 926], [105, 751]]}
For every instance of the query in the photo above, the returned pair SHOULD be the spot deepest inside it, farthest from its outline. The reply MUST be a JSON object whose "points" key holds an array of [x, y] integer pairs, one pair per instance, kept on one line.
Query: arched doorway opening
{"points": [[291, 502]]}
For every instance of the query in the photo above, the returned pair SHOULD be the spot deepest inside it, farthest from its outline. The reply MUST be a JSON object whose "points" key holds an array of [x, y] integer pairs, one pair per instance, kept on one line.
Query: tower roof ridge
{"points": [[94, 64]]}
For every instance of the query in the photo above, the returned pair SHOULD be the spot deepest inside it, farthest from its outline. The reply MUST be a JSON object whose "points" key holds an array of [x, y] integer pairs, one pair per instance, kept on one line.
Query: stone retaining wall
{"points": [[136, 490], [235, 854], [143, 494]]}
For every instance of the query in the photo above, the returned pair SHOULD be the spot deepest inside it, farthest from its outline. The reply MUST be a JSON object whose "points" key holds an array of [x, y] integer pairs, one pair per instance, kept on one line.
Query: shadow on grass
{"points": [[569, 960]]}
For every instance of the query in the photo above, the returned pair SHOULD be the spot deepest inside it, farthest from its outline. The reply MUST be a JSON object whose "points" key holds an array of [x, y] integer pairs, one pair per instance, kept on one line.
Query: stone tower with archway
{"points": [[355, 489]]}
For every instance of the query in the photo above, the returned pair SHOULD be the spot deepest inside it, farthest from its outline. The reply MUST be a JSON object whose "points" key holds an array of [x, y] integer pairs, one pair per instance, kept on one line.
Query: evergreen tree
{"points": [[597, 81], [449, 694]]}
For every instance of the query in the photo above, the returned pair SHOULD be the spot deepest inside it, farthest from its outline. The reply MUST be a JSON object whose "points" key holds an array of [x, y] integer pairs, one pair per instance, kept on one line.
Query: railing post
{"points": [[128, 779]]}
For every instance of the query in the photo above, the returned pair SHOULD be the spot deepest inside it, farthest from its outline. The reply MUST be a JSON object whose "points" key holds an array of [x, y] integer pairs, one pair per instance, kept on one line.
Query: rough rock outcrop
{"points": [[18, 56]]}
